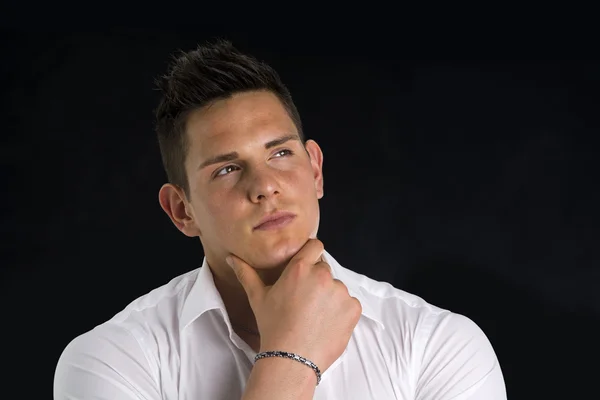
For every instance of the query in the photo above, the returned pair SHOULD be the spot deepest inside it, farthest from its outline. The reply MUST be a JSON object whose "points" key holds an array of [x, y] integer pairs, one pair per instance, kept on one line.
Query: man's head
{"points": [[233, 150]]}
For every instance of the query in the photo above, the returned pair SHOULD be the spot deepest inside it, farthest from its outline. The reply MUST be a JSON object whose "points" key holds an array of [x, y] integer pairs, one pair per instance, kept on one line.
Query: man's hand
{"points": [[306, 311]]}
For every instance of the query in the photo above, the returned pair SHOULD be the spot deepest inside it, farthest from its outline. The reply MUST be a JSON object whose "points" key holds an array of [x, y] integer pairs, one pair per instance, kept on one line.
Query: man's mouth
{"points": [[275, 220]]}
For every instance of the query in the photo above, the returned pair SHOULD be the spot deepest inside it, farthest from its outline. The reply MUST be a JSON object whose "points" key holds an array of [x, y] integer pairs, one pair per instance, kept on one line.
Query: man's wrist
{"points": [[296, 373], [293, 357]]}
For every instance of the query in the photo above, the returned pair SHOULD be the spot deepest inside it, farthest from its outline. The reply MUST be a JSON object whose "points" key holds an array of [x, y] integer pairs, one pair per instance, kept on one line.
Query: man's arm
{"points": [[458, 362], [105, 363]]}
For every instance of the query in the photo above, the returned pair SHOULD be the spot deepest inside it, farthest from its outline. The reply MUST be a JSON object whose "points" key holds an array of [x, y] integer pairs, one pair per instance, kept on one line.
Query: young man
{"points": [[245, 182]]}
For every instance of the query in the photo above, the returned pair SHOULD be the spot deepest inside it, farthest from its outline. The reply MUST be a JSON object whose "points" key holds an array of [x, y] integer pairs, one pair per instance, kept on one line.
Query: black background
{"points": [[472, 183]]}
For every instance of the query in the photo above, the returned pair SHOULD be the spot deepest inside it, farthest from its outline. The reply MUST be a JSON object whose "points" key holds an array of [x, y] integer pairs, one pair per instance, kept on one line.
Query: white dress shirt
{"points": [[176, 342]]}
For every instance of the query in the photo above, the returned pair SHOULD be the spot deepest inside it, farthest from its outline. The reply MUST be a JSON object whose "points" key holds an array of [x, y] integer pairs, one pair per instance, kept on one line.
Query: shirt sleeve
{"points": [[104, 363], [458, 362]]}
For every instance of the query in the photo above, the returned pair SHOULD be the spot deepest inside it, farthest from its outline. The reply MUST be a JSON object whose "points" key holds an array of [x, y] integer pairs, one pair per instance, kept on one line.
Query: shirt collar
{"points": [[204, 295]]}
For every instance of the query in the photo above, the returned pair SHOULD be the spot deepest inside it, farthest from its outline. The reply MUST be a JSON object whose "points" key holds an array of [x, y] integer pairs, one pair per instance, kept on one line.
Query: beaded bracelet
{"points": [[291, 356]]}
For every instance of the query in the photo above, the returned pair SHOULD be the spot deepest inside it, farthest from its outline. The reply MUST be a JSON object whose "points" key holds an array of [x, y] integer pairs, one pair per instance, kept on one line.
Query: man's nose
{"points": [[263, 185]]}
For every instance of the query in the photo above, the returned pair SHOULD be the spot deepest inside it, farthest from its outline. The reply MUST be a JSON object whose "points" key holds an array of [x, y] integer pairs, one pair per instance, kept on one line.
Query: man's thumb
{"points": [[246, 275]]}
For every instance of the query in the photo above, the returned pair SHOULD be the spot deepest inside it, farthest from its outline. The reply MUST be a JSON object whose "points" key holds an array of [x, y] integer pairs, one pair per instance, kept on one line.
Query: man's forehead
{"points": [[236, 140]]}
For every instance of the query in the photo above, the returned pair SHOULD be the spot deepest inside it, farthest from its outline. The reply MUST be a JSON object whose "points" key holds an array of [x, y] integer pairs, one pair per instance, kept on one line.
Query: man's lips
{"points": [[275, 220]]}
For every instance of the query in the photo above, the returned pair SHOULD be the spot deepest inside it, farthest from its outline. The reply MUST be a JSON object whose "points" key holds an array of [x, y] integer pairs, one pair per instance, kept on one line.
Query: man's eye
{"points": [[284, 152], [226, 170]]}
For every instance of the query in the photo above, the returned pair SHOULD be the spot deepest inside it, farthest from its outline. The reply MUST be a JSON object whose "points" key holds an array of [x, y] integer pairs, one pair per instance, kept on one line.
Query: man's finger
{"points": [[247, 276]]}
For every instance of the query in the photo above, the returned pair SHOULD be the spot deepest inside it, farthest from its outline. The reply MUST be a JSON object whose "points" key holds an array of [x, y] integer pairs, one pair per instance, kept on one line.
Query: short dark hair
{"points": [[194, 79]]}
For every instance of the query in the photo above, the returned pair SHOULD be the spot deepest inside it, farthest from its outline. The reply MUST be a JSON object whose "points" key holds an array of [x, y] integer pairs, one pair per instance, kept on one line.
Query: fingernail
{"points": [[229, 261]]}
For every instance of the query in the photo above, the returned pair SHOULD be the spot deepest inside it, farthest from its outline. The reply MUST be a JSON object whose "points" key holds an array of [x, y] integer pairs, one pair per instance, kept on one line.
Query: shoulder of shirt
{"points": [[404, 315], [395, 308], [133, 335], [168, 298], [158, 309], [380, 293]]}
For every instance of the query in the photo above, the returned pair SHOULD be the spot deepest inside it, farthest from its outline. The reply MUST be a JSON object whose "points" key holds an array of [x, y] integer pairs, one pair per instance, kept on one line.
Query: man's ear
{"points": [[316, 161], [173, 201]]}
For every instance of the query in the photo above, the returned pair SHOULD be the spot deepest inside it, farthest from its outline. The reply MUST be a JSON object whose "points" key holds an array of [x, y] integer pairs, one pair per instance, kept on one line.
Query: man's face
{"points": [[266, 170]]}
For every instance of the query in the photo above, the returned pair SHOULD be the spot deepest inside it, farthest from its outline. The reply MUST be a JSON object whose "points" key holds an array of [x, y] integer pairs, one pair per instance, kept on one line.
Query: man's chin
{"points": [[273, 261], [278, 255]]}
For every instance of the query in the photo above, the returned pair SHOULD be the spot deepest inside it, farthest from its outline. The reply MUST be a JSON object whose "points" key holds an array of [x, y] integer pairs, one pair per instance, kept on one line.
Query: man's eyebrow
{"points": [[281, 140], [234, 155], [219, 159]]}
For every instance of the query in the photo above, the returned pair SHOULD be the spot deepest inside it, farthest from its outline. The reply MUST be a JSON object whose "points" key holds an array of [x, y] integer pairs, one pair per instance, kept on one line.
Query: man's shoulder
{"points": [[431, 328], [398, 310], [162, 303], [382, 294], [130, 340], [157, 310]]}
